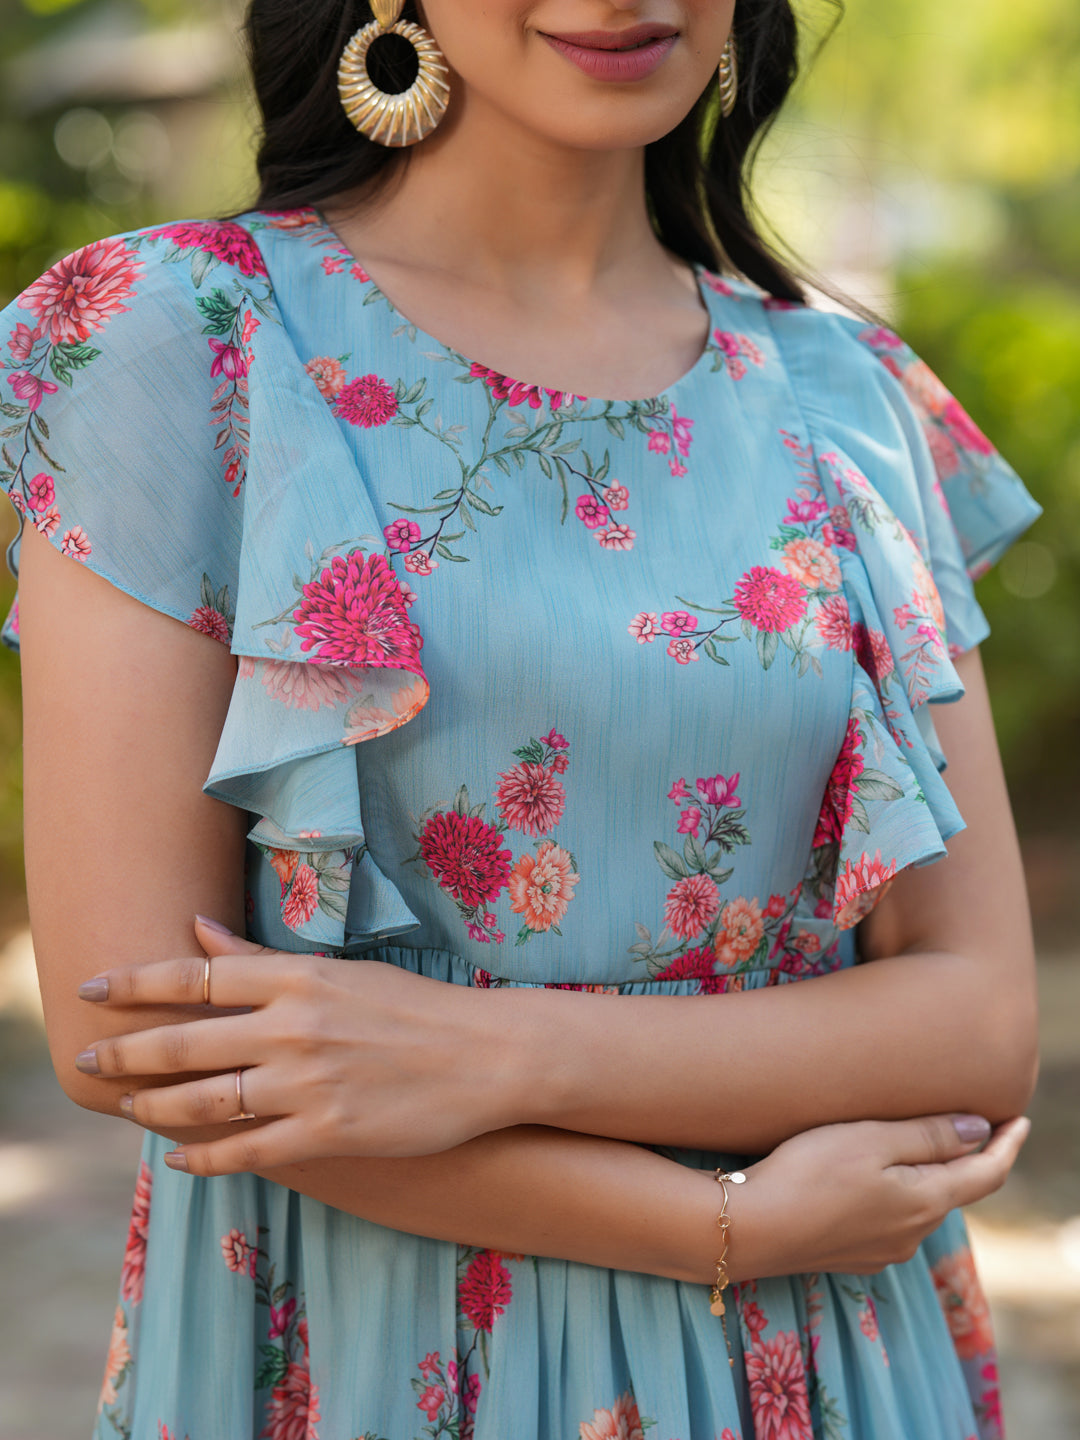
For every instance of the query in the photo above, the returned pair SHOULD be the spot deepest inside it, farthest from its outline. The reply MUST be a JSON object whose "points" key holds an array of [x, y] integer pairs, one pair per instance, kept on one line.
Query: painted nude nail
{"points": [[97, 989], [213, 925], [127, 1106], [87, 1062], [972, 1129], [176, 1160]]}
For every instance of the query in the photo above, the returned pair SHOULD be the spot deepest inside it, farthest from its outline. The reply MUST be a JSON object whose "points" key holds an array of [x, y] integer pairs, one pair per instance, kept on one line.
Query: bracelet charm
{"points": [[723, 1280]]}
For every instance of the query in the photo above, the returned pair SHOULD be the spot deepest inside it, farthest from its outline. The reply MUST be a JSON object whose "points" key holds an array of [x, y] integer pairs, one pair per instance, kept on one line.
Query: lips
{"points": [[617, 55]]}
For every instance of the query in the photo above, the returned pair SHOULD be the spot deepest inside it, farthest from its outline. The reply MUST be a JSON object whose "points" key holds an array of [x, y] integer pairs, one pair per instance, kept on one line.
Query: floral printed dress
{"points": [[533, 689]]}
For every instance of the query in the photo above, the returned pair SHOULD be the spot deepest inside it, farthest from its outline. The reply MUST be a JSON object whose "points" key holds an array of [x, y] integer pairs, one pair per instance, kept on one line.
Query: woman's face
{"points": [[589, 74]]}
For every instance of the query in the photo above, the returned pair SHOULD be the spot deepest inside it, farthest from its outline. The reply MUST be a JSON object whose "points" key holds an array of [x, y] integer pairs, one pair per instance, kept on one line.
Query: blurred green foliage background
{"points": [[928, 165]]}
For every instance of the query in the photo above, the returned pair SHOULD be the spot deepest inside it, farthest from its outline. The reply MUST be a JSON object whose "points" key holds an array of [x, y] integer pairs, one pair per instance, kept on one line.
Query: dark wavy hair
{"points": [[697, 177]]}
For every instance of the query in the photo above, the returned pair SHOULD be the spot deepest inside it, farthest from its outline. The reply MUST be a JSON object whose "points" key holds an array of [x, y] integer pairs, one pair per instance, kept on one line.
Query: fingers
{"points": [[973, 1177], [932, 1139], [219, 1044], [212, 1100], [255, 1148], [251, 978]]}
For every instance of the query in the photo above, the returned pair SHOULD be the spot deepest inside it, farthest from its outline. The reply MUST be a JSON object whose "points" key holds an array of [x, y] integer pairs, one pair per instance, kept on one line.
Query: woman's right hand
{"points": [[854, 1198]]}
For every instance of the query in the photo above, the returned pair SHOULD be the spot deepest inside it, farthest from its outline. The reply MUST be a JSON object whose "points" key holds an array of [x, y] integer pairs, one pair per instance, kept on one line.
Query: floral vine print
{"points": [[706, 937], [786, 1390], [796, 604], [292, 1409], [119, 1360], [313, 880], [466, 852]]}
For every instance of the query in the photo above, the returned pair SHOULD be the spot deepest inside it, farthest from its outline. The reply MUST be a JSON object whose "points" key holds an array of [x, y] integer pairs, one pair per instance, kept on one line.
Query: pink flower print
{"points": [[432, 1401], [408, 594], [806, 509], [485, 1291], [679, 792], [873, 652], [964, 1303], [880, 338], [683, 651], [868, 1321], [236, 1251], [477, 933], [430, 1364], [209, 621], [681, 427], [466, 857], [690, 821], [621, 1422], [774, 302], [328, 376], [778, 1396], [228, 360], [489, 921], [49, 523], [843, 785], [366, 401], [471, 1393], [659, 442], [812, 564], [924, 387], [530, 799], [299, 685], [42, 491], [21, 343], [770, 599], [29, 388], [76, 545], [617, 537], [332, 264], [859, 887], [678, 622], [903, 616], [303, 898], [776, 906], [81, 293], [401, 534], [645, 627], [616, 496], [117, 1360], [691, 904], [225, 241], [590, 512], [694, 965], [353, 614], [677, 468], [555, 741], [742, 926], [131, 1276], [720, 790], [420, 563], [280, 1317], [726, 342], [542, 885], [358, 272], [834, 623], [560, 763], [293, 1409], [943, 449], [837, 529], [925, 597], [715, 283]]}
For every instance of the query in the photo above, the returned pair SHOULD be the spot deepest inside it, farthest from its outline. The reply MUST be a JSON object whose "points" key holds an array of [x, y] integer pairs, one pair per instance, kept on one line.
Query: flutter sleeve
{"points": [[160, 429], [921, 505]]}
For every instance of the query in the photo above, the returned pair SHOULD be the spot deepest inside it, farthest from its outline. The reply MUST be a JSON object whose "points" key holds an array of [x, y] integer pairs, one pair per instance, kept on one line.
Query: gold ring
{"points": [[241, 1114], [206, 981]]}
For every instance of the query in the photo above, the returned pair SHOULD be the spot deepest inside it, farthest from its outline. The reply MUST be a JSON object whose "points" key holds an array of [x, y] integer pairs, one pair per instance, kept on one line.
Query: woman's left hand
{"points": [[342, 1057]]}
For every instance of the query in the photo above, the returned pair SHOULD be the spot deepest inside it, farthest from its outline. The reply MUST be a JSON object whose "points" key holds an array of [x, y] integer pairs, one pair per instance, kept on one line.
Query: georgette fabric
{"points": [[533, 689]]}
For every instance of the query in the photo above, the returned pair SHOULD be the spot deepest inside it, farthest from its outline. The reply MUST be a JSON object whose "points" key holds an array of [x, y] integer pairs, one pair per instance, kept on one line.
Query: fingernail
{"points": [[972, 1129], [97, 989], [127, 1106], [87, 1062], [176, 1160], [213, 925]]}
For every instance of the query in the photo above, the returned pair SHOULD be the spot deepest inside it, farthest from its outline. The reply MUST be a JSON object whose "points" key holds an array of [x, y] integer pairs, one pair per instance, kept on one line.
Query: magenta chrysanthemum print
{"points": [[355, 614], [79, 295]]}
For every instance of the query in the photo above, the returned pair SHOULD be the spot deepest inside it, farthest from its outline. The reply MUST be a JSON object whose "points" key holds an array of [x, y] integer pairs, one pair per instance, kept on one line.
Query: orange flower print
{"points": [[964, 1304], [131, 1277], [117, 1360], [542, 886], [621, 1422], [926, 597], [860, 885], [741, 927], [812, 564]]}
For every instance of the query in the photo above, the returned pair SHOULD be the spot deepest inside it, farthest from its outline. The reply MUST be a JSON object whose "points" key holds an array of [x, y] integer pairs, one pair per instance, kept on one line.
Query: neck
{"points": [[483, 199]]}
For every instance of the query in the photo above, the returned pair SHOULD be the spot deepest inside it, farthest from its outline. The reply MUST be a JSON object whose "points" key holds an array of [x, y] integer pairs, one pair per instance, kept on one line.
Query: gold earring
{"points": [[729, 77], [388, 119]]}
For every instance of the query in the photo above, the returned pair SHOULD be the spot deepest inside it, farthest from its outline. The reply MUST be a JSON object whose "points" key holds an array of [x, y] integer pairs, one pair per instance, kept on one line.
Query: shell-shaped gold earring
{"points": [[729, 76], [388, 119]]}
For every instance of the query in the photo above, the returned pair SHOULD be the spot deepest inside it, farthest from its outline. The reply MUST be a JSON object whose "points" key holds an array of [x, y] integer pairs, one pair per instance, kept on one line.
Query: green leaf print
{"points": [[670, 861]]}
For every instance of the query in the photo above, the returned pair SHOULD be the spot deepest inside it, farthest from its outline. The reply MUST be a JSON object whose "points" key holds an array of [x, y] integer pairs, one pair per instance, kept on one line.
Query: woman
{"points": [[524, 905]]}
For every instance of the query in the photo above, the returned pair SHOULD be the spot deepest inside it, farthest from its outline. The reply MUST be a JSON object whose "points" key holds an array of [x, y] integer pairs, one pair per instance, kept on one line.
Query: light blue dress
{"points": [[533, 689]]}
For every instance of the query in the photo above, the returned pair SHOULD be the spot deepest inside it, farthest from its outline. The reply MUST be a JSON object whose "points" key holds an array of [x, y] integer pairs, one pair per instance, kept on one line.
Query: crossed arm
{"points": [[123, 709]]}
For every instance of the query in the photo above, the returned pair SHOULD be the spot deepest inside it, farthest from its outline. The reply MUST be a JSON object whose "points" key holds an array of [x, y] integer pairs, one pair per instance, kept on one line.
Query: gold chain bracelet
{"points": [[723, 1279]]}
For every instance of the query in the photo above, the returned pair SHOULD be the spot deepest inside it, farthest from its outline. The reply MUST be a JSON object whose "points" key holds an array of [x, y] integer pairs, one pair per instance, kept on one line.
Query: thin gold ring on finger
{"points": [[206, 981], [241, 1113]]}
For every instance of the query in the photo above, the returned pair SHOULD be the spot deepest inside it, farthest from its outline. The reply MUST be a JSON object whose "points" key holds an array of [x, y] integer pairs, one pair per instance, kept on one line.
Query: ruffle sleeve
{"points": [[161, 430], [916, 503]]}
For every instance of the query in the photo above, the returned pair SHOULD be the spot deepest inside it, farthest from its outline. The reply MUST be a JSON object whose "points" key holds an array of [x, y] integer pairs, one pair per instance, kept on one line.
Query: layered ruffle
{"points": [[920, 503]]}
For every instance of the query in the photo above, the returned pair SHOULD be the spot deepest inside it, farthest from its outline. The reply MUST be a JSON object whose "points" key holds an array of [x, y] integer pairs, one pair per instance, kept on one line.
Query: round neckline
{"points": [[704, 292]]}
